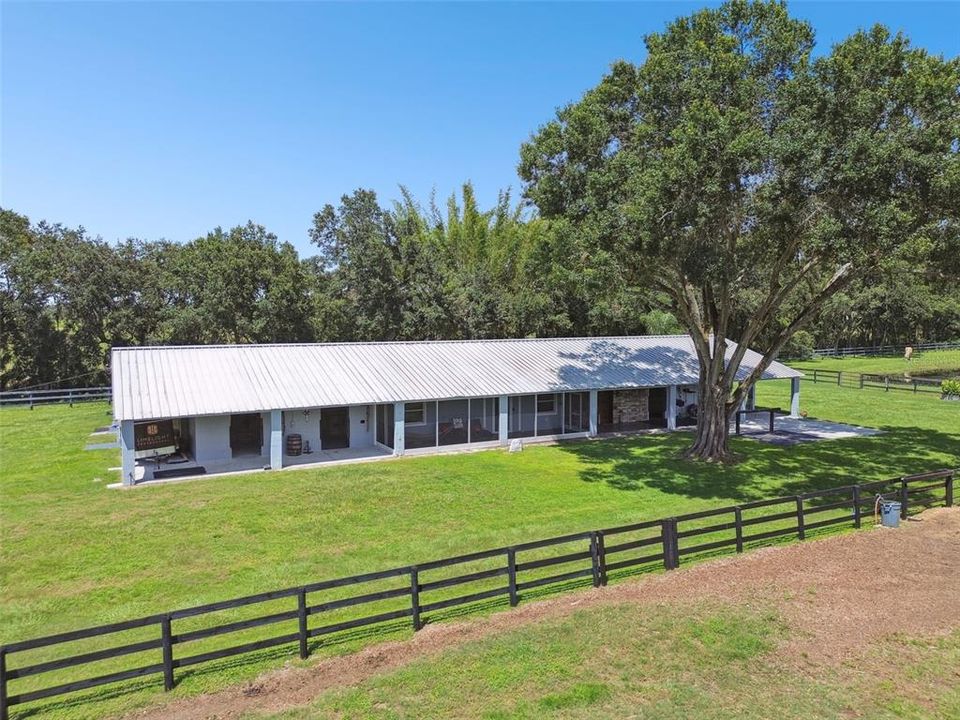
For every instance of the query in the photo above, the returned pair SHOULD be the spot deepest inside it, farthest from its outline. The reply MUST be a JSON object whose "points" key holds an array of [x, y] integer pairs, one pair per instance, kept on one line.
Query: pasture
{"points": [[76, 554]]}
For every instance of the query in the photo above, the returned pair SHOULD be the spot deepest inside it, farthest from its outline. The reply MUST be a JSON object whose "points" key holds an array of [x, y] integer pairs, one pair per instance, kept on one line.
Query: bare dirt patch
{"points": [[834, 594]]}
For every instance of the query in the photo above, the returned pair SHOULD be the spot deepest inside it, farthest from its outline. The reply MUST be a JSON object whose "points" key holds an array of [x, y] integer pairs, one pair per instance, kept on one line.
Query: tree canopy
{"points": [[750, 182]]}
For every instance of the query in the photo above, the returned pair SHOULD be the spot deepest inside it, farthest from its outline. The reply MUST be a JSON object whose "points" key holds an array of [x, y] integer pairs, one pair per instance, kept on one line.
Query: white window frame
{"points": [[423, 414], [553, 401]]}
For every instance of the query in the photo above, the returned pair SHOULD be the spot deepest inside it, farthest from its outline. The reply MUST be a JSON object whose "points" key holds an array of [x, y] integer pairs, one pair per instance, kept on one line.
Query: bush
{"points": [[950, 388]]}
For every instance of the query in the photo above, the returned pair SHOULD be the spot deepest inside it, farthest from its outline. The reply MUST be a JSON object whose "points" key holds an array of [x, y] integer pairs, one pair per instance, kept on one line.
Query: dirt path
{"points": [[831, 592]]}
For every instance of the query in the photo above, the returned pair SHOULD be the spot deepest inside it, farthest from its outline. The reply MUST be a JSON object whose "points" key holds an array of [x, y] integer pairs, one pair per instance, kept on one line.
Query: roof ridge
{"points": [[394, 342]]}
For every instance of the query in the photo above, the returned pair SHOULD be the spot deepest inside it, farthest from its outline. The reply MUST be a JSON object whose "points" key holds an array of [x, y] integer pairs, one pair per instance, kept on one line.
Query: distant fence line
{"points": [[659, 541], [881, 382], [58, 395], [883, 350]]}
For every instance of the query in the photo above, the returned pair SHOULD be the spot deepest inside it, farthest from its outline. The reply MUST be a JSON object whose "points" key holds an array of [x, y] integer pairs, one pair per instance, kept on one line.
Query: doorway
{"points": [[657, 407], [334, 428], [605, 410], [246, 434]]}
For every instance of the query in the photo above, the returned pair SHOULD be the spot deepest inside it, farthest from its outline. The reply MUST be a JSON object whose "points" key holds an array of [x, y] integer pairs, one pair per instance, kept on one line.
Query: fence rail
{"points": [[860, 381], [58, 395], [516, 569], [883, 350]]}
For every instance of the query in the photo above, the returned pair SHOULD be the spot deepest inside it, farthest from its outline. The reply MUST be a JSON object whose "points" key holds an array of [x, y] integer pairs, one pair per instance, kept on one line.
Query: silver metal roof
{"points": [[165, 382]]}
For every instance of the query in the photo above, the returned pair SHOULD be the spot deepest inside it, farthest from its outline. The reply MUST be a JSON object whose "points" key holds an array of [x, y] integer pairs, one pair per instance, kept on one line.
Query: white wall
{"points": [[211, 434], [362, 426], [265, 448], [294, 421], [689, 398], [211, 438]]}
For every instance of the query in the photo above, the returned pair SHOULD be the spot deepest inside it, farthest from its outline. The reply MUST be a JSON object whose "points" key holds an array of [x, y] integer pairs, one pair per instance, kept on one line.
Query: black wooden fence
{"points": [[57, 395], [881, 382], [883, 350], [514, 571]]}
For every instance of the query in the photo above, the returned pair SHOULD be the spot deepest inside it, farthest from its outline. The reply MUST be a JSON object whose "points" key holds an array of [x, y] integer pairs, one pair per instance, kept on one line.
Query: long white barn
{"points": [[197, 409]]}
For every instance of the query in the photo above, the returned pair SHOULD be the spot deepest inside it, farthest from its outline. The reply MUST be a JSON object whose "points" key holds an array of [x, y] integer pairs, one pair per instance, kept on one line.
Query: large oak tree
{"points": [[749, 181]]}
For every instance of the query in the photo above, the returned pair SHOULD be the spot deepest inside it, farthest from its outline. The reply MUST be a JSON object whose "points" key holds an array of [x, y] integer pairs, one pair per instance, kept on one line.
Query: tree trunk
{"points": [[713, 426]]}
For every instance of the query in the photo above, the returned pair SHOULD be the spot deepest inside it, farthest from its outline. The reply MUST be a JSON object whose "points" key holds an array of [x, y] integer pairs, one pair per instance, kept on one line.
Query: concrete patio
{"points": [[794, 430], [254, 464]]}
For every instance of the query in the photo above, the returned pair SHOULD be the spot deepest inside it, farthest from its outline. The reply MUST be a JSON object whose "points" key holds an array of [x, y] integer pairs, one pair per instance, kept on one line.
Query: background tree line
{"points": [[397, 272]]}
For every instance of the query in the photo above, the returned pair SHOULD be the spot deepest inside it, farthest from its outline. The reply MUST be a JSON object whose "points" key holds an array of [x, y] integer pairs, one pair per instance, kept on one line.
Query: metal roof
{"points": [[166, 381]]}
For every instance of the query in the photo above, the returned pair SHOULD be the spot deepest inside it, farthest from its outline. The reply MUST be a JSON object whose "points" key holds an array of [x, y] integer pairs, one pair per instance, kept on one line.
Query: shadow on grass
{"points": [[646, 462]]}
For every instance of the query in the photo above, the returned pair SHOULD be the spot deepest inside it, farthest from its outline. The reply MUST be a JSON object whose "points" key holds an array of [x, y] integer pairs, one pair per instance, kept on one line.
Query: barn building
{"points": [[195, 410]]}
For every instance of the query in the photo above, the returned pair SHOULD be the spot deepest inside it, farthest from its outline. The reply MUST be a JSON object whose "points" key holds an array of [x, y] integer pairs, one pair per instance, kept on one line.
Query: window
{"points": [[546, 404], [549, 417], [414, 413], [420, 425]]}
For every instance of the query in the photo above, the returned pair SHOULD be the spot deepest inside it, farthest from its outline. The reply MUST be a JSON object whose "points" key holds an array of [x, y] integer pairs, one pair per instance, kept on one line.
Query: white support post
{"points": [[128, 463], [671, 407], [504, 426], [399, 427], [276, 439], [795, 397], [594, 425]]}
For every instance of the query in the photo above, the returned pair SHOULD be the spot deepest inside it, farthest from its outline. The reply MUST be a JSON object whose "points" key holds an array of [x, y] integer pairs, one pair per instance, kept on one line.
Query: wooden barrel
{"points": [[294, 444]]}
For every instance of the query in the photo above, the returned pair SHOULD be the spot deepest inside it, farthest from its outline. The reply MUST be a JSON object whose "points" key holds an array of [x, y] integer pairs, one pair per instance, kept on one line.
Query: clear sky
{"points": [[164, 120]]}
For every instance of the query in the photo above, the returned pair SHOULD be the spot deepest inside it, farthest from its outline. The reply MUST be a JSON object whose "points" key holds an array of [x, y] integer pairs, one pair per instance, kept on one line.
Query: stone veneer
{"points": [[630, 406]]}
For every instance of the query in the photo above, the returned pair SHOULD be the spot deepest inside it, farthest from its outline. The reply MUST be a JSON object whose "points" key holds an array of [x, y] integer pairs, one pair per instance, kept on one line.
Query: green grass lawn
{"points": [[934, 362], [74, 553], [703, 661]]}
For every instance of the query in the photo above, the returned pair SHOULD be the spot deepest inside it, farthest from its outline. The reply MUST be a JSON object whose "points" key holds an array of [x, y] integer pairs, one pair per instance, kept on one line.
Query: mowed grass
{"points": [[704, 661], [933, 362], [75, 554]]}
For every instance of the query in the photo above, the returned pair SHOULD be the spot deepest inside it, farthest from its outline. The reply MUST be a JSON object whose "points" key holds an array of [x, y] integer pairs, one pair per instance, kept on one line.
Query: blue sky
{"points": [[164, 120]]}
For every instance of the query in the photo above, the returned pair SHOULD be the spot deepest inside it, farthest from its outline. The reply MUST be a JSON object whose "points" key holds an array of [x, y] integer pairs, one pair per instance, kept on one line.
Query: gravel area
{"points": [[833, 593]]}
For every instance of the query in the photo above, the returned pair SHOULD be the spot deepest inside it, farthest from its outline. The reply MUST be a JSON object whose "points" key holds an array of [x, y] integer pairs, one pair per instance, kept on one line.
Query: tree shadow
{"points": [[652, 461], [610, 363]]}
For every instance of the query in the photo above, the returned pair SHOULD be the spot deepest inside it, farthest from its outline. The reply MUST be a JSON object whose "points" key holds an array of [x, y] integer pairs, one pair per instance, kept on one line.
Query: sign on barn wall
{"points": [[153, 435]]}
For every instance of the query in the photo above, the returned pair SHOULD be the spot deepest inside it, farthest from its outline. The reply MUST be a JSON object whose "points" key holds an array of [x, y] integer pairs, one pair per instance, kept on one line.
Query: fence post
{"points": [[738, 527], [814, 375], [738, 422], [3, 684], [671, 558], [861, 381], [594, 559], [914, 386], [302, 622], [886, 383], [801, 531], [771, 421], [948, 490], [415, 597], [602, 557], [70, 396], [904, 495], [856, 506], [167, 643], [839, 375], [512, 576]]}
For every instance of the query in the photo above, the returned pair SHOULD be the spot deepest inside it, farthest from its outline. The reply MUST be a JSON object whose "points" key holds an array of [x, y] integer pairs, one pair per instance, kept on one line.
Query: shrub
{"points": [[950, 388]]}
